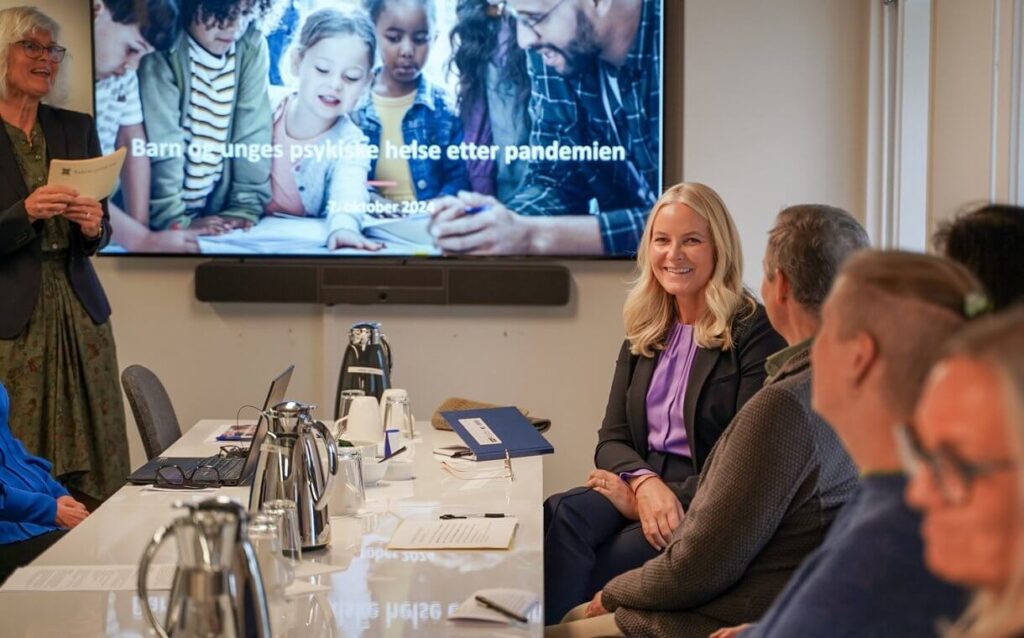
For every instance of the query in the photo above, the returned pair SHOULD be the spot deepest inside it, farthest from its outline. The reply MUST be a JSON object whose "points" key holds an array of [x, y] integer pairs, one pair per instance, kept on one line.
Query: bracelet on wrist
{"points": [[640, 481]]}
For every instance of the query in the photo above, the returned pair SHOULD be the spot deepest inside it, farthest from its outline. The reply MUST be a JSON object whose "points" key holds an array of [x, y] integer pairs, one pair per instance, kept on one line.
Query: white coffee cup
{"points": [[363, 420]]}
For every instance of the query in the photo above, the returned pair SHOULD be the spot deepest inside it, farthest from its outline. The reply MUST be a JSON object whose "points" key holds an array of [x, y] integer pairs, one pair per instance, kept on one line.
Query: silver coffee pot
{"points": [[217, 589], [291, 466]]}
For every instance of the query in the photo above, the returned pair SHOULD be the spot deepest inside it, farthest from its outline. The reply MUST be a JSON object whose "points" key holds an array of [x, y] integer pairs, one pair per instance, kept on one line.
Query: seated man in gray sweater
{"points": [[772, 484], [883, 323]]}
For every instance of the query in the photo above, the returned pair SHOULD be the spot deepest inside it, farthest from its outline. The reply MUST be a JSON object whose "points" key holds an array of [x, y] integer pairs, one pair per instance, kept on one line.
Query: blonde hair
{"points": [[998, 342], [15, 24], [329, 23], [650, 311]]}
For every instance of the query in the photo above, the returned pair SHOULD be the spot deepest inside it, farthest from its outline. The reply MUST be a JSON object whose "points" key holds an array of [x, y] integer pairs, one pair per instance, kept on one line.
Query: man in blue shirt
{"points": [[595, 68], [35, 510], [881, 326]]}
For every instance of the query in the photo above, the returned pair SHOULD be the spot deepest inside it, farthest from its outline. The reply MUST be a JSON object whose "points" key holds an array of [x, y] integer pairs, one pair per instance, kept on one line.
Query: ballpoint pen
{"points": [[393, 454], [448, 517], [508, 465], [490, 604]]}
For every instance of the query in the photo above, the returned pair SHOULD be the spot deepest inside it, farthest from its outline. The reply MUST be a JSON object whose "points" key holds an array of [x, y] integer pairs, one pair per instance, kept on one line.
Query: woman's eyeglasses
{"points": [[35, 50], [953, 475], [174, 477]]}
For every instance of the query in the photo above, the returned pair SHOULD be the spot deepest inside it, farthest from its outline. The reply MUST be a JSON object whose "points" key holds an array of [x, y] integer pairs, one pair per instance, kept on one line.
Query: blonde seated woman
{"points": [[967, 462], [695, 351]]}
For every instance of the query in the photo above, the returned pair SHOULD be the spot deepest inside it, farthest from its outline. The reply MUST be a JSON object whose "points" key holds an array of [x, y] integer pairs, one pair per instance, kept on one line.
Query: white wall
{"points": [[774, 115], [776, 108], [970, 139]]}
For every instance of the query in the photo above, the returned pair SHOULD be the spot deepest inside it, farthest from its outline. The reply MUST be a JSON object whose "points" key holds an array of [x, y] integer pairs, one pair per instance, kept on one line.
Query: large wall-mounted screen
{"points": [[338, 128]]}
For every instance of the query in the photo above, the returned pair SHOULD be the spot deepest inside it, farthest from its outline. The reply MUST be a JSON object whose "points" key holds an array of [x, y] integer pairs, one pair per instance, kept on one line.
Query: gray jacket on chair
{"points": [[766, 497]]}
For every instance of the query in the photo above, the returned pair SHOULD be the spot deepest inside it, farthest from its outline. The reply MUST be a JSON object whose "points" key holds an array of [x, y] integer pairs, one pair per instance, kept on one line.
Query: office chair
{"points": [[152, 409]]}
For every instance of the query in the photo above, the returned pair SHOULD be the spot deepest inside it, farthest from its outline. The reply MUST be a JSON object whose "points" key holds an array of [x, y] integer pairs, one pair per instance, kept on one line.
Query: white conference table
{"points": [[378, 593]]}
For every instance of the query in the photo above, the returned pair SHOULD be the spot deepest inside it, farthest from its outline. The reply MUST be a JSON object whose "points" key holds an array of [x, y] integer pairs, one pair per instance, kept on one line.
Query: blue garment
{"points": [[430, 120], [28, 494], [279, 39], [868, 577], [586, 109]]}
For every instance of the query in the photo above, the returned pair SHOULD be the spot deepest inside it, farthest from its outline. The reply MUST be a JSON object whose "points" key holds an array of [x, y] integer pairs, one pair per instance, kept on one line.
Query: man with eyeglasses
{"points": [[595, 67], [883, 325]]}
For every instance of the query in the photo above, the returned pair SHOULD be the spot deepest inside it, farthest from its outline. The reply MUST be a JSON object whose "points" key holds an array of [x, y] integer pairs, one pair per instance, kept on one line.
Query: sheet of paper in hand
{"points": [[95, 177]]}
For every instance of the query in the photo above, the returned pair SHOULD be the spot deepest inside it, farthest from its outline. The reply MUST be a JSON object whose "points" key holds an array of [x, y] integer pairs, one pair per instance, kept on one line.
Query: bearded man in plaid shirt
{"points": [[595, 67]]}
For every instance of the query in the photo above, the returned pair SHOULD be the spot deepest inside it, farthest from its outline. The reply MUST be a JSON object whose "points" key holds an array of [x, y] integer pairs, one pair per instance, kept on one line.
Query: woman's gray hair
{"points": [[15, 24]]}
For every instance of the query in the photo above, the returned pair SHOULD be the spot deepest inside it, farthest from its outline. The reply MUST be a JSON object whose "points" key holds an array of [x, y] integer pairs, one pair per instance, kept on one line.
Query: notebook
{"points": [[232, 471], [490, 432]]}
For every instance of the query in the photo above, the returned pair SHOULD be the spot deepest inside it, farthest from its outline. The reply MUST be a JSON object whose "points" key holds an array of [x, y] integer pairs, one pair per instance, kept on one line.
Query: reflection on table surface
{"points": [[377, 592]]}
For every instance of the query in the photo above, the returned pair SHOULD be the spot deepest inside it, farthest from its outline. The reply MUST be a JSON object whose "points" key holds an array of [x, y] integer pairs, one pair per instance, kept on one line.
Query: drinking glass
{"points": [[398, 416], [265, 536], [287, 514], [349, 494]]}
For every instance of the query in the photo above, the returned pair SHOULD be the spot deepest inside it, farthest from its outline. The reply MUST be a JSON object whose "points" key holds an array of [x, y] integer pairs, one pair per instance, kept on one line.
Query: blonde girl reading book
{"points": [[330, 65]]}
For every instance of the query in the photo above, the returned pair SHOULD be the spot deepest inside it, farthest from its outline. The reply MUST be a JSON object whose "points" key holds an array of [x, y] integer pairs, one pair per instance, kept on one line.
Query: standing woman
{"points": [[695, 350], [57, 354]]}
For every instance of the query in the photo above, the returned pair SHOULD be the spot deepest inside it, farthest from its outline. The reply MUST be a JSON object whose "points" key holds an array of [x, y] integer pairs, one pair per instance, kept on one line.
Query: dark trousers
{"points": [[15, 555], [587, 543]]}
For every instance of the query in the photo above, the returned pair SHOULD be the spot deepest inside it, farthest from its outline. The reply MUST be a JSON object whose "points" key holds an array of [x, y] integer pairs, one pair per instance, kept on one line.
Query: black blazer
{"points": [[69, 135], [720, 383]]}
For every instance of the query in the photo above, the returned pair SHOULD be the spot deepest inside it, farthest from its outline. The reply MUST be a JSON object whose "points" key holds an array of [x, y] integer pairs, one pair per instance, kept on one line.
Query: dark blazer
{"points": [[69, 135], [720, 383]]}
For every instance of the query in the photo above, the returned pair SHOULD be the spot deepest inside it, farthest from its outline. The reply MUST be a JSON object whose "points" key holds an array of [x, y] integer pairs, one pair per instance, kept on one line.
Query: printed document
{"points": [[95, 177], [518, 601], [466, 533], [88, 578]]}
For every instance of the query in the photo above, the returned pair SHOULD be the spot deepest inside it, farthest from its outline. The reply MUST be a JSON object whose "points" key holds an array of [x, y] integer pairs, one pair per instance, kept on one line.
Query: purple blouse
{"points": [[666, 429]]}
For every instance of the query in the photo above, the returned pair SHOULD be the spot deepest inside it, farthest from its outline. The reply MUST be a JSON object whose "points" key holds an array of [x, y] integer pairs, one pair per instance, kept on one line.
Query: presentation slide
{"points": [[379, 127]]}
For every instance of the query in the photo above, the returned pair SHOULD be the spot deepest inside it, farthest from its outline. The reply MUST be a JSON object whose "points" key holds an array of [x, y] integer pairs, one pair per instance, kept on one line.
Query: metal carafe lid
{"points": [[364, 333], [286, 416], [208, 535]]}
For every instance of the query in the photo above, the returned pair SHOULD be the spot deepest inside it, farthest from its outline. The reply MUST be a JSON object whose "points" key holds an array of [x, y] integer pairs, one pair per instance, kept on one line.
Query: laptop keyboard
{"points": [[228, 469]]}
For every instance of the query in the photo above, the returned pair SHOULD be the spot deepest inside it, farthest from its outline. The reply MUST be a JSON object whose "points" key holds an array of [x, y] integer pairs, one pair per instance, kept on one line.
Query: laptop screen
{"points": [[275, 395]]}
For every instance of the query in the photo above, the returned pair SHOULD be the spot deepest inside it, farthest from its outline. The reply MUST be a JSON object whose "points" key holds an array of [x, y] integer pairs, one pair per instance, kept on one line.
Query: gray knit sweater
{"points": [[771, 487]]}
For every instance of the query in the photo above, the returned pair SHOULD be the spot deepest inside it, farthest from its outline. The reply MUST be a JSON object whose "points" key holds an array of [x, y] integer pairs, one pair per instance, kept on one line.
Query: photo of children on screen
{"points": [[382, 127], [206, 110], [329, 66], [408, 109]]}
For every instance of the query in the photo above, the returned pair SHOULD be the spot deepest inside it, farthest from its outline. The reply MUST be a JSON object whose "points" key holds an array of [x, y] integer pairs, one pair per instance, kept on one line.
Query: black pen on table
{"points": [[504, 611], [448, 517]]}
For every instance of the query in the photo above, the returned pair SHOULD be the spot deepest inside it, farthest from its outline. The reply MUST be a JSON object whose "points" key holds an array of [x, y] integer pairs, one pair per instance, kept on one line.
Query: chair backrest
{"points": [[154, 414]]}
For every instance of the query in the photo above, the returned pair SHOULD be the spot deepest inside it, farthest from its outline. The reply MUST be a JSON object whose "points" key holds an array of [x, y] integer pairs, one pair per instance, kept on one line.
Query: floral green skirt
{"points": [[62, 376]]}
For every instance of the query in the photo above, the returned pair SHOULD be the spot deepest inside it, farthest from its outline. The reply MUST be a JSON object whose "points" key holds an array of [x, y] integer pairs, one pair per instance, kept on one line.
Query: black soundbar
{"points": [[391, 282]]}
